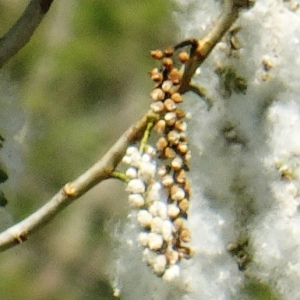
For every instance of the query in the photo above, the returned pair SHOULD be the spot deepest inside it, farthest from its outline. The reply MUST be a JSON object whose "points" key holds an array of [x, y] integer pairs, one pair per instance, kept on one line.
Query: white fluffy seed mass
{"points": [[245, 167]]}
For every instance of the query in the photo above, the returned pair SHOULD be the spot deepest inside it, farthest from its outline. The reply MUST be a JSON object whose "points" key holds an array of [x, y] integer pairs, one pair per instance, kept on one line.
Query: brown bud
{"points": [[168, 52], [177, 163], [180, 125], [170, 118], [172, 257], [177, 193], [157, 54], [187, 158], [157, 94], [180, 177], [169, 105], [169, 153], [182, 147], [184, 205], [167, 86], [180, 113], [176, 97], [161, 144], [167, 180], [160, 126], [183, 57], [185, 235], [183, 137], [174, 75], [167, 62], [173, 137], [178, 223], [187, 189], [157, 106], [158, 77]]}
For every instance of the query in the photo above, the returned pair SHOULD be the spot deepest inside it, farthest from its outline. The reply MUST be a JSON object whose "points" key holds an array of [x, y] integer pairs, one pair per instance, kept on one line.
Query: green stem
{"points": [[119, 175], [146, 135]]}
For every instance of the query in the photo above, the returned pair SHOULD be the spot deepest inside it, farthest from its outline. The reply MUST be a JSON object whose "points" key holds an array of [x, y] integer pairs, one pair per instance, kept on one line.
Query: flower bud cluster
{"points": [[158, 186]]}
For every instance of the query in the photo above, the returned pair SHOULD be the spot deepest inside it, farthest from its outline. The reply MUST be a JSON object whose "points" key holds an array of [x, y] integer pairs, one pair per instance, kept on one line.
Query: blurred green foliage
{"points": [[82, 79]]}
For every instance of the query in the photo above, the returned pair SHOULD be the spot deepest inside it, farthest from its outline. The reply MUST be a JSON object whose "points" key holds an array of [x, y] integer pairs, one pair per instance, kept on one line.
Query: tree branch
{"points": [[201, 48], [20, 33], [18, 36], [100, 171]]}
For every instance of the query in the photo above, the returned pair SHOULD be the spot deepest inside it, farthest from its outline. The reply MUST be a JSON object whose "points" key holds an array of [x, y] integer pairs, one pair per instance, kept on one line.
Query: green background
{"points": [[73, 90]]}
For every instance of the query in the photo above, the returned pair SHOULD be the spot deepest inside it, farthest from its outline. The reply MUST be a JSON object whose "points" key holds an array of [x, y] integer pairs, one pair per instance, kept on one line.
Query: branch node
{"points": [[70, 190], [21, 237]]}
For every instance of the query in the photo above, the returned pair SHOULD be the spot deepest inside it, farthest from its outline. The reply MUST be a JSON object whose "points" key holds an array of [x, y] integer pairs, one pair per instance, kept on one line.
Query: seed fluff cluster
{"points": [[159, 191]]}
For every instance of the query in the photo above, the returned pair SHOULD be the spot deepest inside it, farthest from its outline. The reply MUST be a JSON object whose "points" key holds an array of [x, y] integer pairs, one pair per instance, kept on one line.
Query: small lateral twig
{"points": [[200, 49], [20, 33], [100, 171]]}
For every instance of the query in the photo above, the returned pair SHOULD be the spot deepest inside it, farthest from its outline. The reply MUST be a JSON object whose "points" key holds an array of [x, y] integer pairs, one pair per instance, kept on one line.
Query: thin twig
{"points": [[100, 171], [201, 48], [20, 33]]}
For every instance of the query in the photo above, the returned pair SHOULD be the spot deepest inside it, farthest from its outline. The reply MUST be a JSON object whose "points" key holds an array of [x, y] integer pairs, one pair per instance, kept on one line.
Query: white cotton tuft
{"points": [[245, 167]]}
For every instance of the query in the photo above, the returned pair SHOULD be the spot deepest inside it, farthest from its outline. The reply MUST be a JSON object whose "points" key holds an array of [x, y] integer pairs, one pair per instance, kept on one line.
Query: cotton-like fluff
{"points": [[248, 168], [245, 168]]}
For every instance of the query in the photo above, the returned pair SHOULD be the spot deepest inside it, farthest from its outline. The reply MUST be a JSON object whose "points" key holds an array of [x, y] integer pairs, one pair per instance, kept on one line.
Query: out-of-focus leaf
{"points": [[3, 200], [3, 175]]}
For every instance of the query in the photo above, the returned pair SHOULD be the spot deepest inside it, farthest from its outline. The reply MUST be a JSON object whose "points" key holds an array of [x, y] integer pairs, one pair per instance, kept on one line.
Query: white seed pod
{"points": [[131, 150], [180, 125], [153, 193], [158, 208], [150, 150], [162, 170], [149, 256], [156, 225], [177, 163], [136, 200], [147, 171], [157, 106], [173, 137], [160, 126], [131, 172], [167, 86], [135, 186], [171, 273], [159, 264], [126, 159], [167, 230], [177, 193], [172, 257], [146, 158], [157, 95], [170, 118], [143, 239], [135, 159], [144, 218], [155, 241], [173, 211], [167, 180], [169, 105]]}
